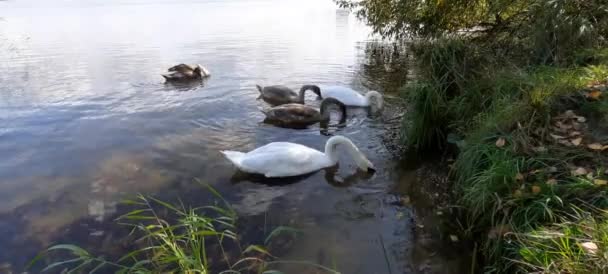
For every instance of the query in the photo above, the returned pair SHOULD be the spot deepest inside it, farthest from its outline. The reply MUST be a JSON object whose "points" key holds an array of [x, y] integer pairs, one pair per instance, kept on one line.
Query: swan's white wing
{"points": [[283, 160], [346, 95]]}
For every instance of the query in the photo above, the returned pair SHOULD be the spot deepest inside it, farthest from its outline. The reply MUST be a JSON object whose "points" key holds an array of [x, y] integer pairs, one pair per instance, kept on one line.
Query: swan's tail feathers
{"points": [[234, 156], [167, 77]]}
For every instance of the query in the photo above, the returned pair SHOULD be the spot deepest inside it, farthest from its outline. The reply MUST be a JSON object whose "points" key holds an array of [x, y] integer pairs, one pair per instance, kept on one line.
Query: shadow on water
{"points": [[186, 85]]}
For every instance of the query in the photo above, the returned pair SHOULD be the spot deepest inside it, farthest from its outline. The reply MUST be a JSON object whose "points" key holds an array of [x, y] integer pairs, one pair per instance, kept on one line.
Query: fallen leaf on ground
{"points": [[557, 137], [517, 193], [581, 119], [565, 143], [536, 189], [594, 94], [577, 141], [454, 238], [596, 146], [551, 182], [499, 231], [600, 182], [552, 169], [574, 133], [580, 171], [519, 177], [500, 142], [569, 114], [590, 247]]}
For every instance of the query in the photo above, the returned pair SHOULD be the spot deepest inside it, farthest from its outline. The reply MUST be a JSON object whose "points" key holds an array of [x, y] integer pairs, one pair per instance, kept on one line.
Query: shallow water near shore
{"points": [[86, 121]]}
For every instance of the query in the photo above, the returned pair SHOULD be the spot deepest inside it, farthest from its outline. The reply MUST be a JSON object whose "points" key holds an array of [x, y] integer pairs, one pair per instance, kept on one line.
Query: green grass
{"points": [[526, 186], [186, 240], [576, 244]]}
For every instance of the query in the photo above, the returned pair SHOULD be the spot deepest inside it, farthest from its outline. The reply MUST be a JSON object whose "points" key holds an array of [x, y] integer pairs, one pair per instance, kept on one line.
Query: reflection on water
{"points": [[86, 121]]}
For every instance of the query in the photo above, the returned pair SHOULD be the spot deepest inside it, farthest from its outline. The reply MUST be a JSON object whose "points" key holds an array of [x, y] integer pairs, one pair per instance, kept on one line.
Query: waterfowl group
{"points": [[284, 159]]}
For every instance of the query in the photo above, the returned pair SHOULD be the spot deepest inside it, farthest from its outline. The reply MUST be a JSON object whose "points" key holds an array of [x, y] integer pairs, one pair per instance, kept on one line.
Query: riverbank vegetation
{"points": [[176, 239], [517, 90]]}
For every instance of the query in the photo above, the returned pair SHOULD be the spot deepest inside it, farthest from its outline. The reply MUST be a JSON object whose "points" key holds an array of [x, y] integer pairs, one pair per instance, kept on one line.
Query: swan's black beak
{"points": [[371, 170]]}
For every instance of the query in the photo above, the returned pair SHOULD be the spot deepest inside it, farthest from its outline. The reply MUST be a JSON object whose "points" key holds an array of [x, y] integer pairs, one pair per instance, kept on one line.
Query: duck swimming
{"points": [[184, 72], [283, 159], [301, 116], [280, 95]]}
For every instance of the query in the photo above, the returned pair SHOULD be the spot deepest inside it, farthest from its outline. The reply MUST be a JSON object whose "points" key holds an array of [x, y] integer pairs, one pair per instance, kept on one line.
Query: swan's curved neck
{"points": [[301, 96], [325, 111], [303, 90], [331, 148]]}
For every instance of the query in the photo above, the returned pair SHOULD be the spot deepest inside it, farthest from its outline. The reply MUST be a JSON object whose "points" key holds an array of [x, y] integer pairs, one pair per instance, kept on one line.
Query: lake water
{"points": [[86, 121]]}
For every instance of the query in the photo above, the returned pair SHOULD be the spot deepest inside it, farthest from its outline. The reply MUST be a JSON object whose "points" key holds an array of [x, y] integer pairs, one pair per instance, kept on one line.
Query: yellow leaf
{"points": [[500, 142], [557, 137], [577, 141], [596, 146], [536, 189], [551, 182], [600, 182], [519, 177], [594, 94]]}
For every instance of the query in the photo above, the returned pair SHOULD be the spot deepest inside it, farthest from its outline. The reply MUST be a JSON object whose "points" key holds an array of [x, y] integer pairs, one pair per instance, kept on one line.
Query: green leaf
{"points": [[280, 230], [256, 248], [77, 251]]}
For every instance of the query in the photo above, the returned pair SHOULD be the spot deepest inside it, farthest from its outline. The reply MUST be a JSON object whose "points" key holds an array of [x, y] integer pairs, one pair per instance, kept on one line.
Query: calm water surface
{"points": [[86, 121]]}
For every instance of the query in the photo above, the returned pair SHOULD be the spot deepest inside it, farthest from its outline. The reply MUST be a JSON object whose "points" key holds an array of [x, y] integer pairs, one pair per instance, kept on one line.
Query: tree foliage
{"points": [[548, 29]]}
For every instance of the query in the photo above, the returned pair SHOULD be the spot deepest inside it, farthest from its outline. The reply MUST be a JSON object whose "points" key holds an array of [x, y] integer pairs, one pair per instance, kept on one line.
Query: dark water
{"points": [[86, 121]]}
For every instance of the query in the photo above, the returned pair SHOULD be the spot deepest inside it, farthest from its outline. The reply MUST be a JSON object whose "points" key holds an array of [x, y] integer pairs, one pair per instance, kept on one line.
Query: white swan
{"points": [[351, 97], [282, 159]]}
